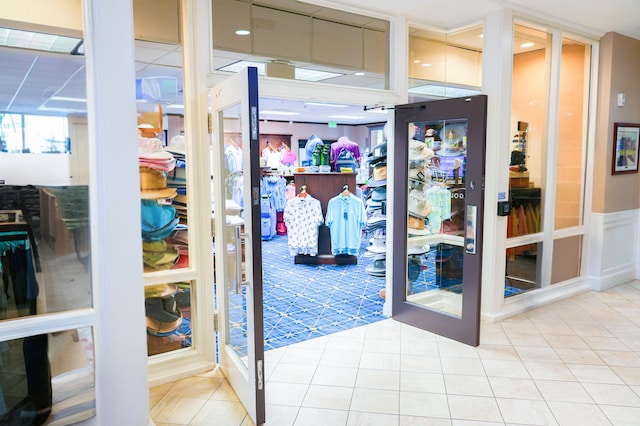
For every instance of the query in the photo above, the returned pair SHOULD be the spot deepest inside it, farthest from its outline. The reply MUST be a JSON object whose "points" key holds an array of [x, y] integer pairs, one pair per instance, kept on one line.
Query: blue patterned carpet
{"points": [[301, 302]]}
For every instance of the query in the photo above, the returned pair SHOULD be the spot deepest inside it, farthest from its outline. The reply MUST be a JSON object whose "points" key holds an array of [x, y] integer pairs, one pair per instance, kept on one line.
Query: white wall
{"points": [[34, 169]]}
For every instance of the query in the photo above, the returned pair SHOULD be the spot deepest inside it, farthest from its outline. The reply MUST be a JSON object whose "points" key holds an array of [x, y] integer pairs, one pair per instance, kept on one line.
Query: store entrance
{"points": [[311, 286]]}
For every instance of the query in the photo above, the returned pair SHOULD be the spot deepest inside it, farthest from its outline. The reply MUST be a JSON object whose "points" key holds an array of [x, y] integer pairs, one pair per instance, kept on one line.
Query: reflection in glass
{"points": [[574, 82], [522, 268], [436, 214], [168, 317], [47, 378], [528, 129]]}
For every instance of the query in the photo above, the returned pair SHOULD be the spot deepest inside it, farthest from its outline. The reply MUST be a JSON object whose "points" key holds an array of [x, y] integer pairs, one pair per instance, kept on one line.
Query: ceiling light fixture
{"points": [[358, 73], [276, 112], [325, 105], [527, 44], [426, 65], [243, 32], [38, 41], [347, 117]]}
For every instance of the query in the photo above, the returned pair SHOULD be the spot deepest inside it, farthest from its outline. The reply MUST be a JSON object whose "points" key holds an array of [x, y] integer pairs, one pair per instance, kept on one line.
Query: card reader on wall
{"points": [[504, 208]]}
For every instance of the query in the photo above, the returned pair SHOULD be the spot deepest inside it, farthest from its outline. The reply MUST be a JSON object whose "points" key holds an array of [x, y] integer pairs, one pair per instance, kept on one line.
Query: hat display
{"points": [[418, 203], [162, 315], [160, 290], [158, 221], [419, 151], [379, 194], [153, 185], [378, 244], [417, 245], [378, 154], [177, 145], [417, 174], [378, 267]]}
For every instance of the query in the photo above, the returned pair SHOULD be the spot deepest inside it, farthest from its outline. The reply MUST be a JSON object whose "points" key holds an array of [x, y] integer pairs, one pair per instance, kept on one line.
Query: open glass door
{"points": [[237, 239], [437, 235]]}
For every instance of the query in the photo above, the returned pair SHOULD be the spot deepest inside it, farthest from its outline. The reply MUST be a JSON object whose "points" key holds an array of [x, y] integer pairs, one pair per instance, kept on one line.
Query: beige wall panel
{"points": [[618, 73], [337, 44], [566, 259], [427, 59], [463, 67], [229, 16], [282, 35], [30, 14], [375, 51], [157, 20]]}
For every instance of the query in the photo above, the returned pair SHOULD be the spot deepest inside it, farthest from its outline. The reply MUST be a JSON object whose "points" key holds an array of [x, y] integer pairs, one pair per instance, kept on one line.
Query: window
{"points": [[37, 134]]}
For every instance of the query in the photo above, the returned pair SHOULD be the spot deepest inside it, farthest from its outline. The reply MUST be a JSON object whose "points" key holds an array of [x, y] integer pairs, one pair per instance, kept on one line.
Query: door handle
{"points": [[471, 229], [239, 237]]}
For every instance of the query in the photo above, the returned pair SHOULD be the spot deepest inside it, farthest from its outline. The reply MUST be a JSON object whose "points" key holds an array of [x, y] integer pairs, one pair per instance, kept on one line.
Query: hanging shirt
{"points": [[345, 217], [440, 199], [276, 187], [289, 157], [303, 216], [271, 157]]}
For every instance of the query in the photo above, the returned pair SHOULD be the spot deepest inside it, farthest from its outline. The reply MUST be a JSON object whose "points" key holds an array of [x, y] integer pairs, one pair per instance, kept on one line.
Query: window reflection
{"points": [[47, 378]]}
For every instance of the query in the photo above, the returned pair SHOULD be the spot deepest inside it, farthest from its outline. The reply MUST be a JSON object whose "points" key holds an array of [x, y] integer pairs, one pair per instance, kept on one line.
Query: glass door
{"points": [[437, 235], [237, 238]]}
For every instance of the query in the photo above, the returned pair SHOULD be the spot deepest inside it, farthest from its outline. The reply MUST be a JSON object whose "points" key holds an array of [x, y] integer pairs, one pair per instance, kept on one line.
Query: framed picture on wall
{"points": [[625, 148]]}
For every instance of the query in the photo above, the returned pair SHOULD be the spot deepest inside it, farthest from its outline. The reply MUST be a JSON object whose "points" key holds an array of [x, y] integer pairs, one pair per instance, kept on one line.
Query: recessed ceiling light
{"points": [[426, 65], [243, 32], [358, 73], [325, 105], [347, 117], [416, 61], [527, 44], [276, 112]]}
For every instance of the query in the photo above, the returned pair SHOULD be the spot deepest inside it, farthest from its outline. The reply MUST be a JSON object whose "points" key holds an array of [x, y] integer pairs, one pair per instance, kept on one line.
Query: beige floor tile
{"points": [[630, 375], [156, 393], [605, 343], [475, 408], [493, 337], [549, 371], [375, 401], [344, 343], [505, 368], [411, 381], [468, 366], [419, 347], [301, 355], [378, 379], [331, 397], [595, 374], [537, 340], [553, 390], [621, 415], [173, 409], [498, 352], [420, 364], [389, 346], [579, 356], [569, 413], [197, 387], [620, 358], [612, 394], [467, 385], [531, 353], [457, 350], [424, 421], [220, 413], [338, 358], [424, 404], [321, 417], [525, 411], [506, 387], [593, 330], [554, 328], [334, 376], [285, 393], [281, 415], [377, 361], [372, 419], [564, 341], [225, 392], [293, 373]]}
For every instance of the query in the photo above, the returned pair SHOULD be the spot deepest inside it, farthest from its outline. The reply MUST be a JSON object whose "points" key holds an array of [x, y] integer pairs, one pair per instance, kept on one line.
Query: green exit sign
{"points": [[332, 124]]}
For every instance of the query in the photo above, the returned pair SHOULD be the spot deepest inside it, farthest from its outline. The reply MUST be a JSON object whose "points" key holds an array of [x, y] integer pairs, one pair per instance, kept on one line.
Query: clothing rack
{"points": [[325, 186]]}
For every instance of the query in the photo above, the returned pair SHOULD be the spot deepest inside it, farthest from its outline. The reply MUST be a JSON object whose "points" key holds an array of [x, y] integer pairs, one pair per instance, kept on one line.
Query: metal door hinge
{"points": [[215, 322]]}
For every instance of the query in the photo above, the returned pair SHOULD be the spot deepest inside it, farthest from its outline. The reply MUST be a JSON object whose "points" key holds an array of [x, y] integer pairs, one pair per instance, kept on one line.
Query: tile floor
{"points": [[574, 362]]}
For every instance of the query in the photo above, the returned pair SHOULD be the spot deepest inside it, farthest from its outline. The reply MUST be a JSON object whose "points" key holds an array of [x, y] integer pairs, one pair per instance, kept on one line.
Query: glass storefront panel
{"points": [[528, 130], [522, 269], [293, 40], [48, 378], [574, 86], [444, 65]]}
